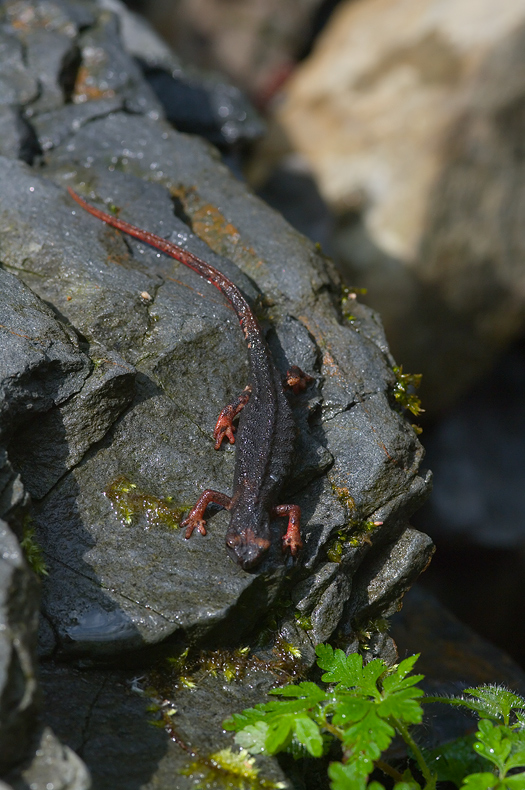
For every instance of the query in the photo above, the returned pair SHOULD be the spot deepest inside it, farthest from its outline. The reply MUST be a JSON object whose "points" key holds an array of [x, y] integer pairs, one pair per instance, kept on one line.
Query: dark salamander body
{"points": [[264, 441]]}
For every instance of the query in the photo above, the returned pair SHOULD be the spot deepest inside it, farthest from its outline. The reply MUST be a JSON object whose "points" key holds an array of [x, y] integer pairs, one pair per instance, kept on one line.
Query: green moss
{"points": [[187, 669], [130, 504], [225, 768], [345, 498], [354, 536], [334, 551], [361, 533], [303, 621], [231, 664], [366, 631], [179, 662], [404, 390], [33, 552]]}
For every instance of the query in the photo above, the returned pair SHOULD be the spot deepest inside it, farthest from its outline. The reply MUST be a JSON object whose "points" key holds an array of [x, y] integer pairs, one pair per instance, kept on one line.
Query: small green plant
{"points": [[32, 550], [404, 390], [364, 706]]}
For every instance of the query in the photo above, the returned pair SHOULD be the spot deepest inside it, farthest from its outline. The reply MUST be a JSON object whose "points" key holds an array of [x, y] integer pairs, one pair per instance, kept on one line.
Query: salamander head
{"points": [[247, 545], [246, 548]]}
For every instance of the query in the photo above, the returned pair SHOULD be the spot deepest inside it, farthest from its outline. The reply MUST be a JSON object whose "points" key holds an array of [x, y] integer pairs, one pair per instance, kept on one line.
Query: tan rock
{"points": [[412, 113]]}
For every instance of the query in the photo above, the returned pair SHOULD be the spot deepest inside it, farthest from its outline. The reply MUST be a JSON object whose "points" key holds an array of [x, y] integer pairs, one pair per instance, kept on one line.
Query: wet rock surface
{"points": [[18, 623], [453, 657], [116, 362], [53, 764]]}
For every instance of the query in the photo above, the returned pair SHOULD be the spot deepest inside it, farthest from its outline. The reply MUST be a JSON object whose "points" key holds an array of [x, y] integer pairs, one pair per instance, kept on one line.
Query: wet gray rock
{"points": [[453, 657], [40, 366], [117, 360], [100, 599], [53, 765], [194, 100], [106, 717], [52, 443], [17, 85], [18, 622], [12, 494]]}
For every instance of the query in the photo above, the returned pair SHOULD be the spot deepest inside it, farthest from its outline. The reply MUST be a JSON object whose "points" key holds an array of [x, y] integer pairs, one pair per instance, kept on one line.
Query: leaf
{"points": [[406, 666], [253, 737], [517, 757], [493, 743], [516, 760], [350, 709], [307, 732], [402, 705], [371, 674], [393, 683], [340, 668], [279, 734], [304, 690], [515, 782], [454, 760], [282, 706], [298, 750], [239, 720], [492, 702], [520, 717], [483, 781], [347, 777], [498, 702], [325, 656], [368, 737]]}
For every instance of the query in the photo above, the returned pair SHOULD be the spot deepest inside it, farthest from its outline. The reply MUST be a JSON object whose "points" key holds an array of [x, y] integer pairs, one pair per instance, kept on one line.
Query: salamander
{"points": [[266, 431]]}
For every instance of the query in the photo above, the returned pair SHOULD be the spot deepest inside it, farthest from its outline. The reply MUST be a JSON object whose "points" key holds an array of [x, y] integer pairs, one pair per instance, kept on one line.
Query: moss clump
{"points": [[404, 390], [354, 536], [32, 550], [345, 498], [130, 504], [226, 768], [303, 621]]}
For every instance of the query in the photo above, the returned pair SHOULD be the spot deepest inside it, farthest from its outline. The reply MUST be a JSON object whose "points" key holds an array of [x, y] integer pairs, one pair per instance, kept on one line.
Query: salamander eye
{"points": [[233, 540]]}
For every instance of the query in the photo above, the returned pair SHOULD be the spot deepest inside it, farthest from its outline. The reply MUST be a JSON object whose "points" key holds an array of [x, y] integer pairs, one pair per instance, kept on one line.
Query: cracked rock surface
{"points": [[116, 361]]}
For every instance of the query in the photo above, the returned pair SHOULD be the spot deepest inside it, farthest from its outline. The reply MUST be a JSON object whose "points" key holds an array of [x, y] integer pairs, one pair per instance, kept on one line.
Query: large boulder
{"points": [[410, 115], [117, 362]]}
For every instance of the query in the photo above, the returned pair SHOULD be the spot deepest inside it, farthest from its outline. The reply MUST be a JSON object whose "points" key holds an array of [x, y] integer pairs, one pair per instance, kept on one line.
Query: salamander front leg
{"points": [[195, 518], [292, 537], [296, 380], [224, 428]]}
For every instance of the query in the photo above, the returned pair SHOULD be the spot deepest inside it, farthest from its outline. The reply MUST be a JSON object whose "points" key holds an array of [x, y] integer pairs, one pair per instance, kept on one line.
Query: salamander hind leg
{"points": [[292, 537], [224, 428], [195, 518]]}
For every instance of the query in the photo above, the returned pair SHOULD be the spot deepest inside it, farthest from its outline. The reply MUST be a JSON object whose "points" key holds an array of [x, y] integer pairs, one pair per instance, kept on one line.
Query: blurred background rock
{"points": [[396, 139]]}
